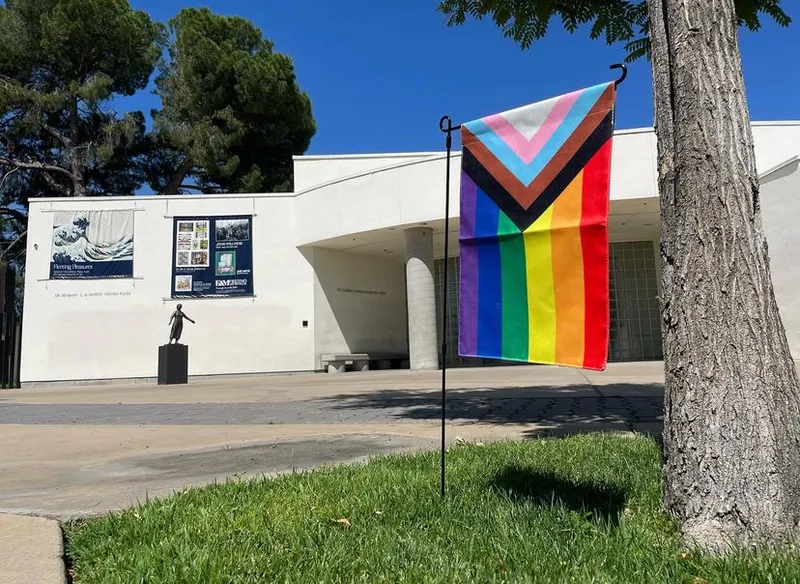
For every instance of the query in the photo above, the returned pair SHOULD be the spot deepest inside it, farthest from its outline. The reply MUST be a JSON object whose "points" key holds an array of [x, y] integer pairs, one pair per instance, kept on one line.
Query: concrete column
{"points": [[421, 299]]}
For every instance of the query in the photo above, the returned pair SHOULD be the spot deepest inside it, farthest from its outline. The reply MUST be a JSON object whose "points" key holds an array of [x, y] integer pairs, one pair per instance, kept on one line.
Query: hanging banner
{"points": [[212, 256], [534, 231], [92, 244]]}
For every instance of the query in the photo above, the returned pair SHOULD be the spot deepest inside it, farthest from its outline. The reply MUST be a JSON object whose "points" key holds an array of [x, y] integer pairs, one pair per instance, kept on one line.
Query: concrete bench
{"points": [[338, 362]]}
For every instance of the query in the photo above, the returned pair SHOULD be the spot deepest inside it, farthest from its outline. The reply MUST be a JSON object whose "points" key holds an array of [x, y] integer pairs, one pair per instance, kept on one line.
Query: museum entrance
{"points": [[635, 333]]}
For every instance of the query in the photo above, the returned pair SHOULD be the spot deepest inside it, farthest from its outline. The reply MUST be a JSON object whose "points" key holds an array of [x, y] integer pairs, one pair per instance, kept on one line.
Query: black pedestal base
{"points": [[173, 364]]}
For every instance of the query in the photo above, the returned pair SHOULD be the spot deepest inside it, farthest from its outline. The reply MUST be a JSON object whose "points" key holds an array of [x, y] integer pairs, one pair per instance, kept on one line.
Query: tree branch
{"points": [[18, 215], [36, 166], [56, 134], [55, 185], [5, 177], [4, 253], [194, 187]]}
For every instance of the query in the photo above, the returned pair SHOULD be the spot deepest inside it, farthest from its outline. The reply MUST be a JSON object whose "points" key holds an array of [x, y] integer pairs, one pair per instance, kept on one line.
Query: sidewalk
{"points": [[31, 550]]}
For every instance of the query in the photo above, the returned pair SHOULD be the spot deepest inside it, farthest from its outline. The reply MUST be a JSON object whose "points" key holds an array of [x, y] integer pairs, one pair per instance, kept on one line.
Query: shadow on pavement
{"points": [[599, 503], [555, 410]]}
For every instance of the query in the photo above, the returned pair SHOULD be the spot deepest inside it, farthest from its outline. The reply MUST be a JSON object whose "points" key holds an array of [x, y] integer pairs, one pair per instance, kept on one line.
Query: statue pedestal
{"points": [[173, 364]]}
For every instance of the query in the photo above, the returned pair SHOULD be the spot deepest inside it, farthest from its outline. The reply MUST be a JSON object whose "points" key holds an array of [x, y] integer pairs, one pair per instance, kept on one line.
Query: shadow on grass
{"points": [[599, 503]]}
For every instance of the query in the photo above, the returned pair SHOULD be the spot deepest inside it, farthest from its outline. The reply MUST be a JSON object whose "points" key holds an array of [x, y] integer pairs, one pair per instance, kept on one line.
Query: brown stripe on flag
{"points": [[526, 196], [588, 125], [493, 166]]}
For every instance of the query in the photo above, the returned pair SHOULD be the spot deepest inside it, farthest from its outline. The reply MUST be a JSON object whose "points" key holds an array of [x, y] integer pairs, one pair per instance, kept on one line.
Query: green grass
{"points": [[582, 509]]}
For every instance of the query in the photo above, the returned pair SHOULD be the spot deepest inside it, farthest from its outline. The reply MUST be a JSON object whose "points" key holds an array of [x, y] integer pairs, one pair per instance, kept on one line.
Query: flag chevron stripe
{"points": [[532, 120], [525, 193], [522, 217], [585, 104], [525, 148], [525, 196]]}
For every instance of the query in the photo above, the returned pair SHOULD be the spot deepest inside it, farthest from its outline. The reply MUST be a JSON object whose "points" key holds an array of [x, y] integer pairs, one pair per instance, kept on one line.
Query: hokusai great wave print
{"points": [[92, 244]]}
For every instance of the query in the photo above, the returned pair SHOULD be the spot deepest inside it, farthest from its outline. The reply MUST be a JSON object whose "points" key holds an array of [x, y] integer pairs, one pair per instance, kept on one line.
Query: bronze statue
{"points": [[176, 320]]}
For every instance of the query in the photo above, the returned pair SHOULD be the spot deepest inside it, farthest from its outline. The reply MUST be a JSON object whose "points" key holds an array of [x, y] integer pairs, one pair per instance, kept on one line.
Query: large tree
{"points": [[732, 400], [62, 63], [233, 114]]}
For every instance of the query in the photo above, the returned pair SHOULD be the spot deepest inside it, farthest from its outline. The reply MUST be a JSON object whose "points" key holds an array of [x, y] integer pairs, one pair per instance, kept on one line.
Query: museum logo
{"points": [[231, 283]]}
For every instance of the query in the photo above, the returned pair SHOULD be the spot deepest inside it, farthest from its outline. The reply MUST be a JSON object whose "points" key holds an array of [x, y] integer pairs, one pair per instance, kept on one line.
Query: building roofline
{"points": [[423, 154], [776, 123], [367, 156], [390, 167], [373, 155], [788, 162], [135, 198], [414, 158]]}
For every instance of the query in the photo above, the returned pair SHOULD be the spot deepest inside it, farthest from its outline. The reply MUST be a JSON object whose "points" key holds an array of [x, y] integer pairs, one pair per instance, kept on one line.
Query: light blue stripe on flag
{"points": [[527, 172]]}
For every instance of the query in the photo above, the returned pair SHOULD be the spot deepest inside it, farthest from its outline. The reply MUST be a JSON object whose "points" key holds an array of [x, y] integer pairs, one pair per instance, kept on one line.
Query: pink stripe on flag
{"points": [[527, 150]]}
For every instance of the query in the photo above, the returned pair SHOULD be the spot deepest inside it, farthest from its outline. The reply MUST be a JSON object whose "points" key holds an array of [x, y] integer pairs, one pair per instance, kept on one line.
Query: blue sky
{"points": [[380, 73]]}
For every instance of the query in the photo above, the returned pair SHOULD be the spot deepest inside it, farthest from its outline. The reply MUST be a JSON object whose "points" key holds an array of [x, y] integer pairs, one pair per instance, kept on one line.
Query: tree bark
{"points": [[732, 401], [76, 161], [46, 171], [175, 183]]}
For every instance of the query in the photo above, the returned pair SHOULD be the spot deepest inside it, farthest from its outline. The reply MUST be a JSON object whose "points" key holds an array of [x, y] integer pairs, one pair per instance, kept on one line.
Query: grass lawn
{"points": [[582, 509]]}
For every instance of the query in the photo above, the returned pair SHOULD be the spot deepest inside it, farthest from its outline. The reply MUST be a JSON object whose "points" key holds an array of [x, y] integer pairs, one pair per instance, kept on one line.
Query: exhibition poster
{"points": [[212, 256], [92, 244]]}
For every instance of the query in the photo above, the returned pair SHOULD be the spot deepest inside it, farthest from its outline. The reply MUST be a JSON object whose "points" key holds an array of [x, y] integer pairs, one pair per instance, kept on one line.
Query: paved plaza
{"points": [[71, 451]]}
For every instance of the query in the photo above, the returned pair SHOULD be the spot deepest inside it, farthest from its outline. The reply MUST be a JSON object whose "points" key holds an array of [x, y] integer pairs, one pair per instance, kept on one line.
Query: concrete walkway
{"points": [[69, 452], [31, 550]]}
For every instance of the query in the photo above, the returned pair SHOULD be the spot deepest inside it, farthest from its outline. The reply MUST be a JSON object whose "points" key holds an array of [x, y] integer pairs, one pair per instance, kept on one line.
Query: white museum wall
{"points": [[775, 142], [360, 303], [392, 196], [780, 208], [314, 170], [108, 329]]}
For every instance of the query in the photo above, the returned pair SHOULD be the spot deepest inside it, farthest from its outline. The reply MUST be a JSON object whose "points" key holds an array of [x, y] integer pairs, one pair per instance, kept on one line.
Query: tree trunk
{"points": [[174, 184], [76, 152], [732, 401]]}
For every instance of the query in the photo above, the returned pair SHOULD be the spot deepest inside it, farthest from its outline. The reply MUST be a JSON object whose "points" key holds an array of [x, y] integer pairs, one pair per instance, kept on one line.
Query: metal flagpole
{"points": [[447, 127]]}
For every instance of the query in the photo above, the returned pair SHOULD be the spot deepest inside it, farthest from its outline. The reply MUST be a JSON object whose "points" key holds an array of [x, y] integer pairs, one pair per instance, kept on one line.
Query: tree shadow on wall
{"points": [[599, 503]]}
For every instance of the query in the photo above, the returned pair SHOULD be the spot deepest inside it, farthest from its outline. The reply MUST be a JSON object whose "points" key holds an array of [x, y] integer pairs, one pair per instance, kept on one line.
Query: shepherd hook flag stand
{"points": [[447, 127]]}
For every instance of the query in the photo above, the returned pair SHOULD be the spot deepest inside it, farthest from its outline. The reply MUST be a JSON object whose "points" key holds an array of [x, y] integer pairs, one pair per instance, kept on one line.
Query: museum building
{"points": [[350, 264]]}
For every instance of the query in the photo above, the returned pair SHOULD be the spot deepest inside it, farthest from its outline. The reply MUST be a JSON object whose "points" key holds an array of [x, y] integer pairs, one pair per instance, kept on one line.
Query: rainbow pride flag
{"points": [[534, 231]]}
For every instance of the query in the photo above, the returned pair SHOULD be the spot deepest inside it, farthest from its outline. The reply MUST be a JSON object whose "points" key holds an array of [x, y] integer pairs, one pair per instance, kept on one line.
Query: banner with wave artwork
{"points": [[534, 231], [92, 244]]}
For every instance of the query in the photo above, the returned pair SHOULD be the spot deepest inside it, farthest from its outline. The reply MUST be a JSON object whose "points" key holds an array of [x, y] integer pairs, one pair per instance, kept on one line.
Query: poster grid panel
{"points": [[212, 256]]}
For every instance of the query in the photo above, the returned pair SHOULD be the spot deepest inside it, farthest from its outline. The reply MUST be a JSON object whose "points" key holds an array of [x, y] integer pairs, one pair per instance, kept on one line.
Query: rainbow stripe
{"points": [[534, 232]]}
